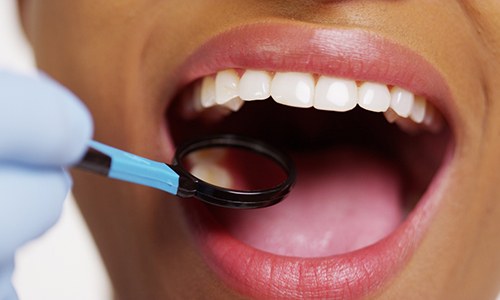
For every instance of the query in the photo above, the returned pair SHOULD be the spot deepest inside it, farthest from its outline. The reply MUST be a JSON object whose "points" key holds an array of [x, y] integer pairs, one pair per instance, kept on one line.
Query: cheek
{"points": [[97, 54]]}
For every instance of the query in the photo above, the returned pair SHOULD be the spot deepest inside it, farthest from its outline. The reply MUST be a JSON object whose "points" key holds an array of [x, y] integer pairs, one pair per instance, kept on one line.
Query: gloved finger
{"points": [[7, 291], [31, 201], [41, 122]]}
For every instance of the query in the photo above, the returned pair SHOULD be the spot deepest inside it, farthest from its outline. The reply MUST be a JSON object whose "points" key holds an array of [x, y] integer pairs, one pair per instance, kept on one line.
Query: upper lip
{"points": [[346, 53]]}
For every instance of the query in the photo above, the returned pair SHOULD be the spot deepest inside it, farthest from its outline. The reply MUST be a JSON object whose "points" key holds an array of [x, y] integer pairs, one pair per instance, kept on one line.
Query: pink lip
{"points": [[346, 53], [343, 53]]}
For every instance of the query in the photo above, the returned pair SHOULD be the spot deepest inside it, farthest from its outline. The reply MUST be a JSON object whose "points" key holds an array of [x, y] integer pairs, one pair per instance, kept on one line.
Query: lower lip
{"points": [[353, 275]]}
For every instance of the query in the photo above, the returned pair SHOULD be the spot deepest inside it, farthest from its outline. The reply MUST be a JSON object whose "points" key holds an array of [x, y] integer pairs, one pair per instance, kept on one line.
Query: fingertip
{"points": [[7, 290], [76, 121], [41, 121], [79, 131]]}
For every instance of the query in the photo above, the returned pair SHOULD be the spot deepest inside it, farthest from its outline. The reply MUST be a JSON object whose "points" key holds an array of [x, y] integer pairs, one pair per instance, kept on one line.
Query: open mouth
{"points": [[367, 152]]}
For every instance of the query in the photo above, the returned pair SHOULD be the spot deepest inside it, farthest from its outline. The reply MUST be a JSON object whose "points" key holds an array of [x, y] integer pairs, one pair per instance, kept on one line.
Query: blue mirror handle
{"points": [[122, 165]]}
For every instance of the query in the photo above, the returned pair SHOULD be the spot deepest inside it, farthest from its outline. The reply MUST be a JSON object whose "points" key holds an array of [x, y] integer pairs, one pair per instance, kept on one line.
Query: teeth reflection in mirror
{"points": [[234, 104], [293, 89], [374, 97], [335, 94], [208, 92], [401, 101], [226, 86], [213, 174], [207, 156], [255, 85], [418, 110]]}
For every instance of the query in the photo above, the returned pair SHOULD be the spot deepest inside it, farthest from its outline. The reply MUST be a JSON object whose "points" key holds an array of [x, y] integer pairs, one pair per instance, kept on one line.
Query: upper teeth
{"points": [[228, 89]]}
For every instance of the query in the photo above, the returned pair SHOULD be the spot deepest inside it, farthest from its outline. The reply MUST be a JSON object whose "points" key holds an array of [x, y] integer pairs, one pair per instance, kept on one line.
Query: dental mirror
{"points": [[225, 170]]}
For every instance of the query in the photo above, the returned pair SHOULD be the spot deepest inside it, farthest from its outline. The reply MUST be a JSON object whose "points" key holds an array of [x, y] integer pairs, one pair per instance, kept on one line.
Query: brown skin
{"points": [[119, 56]]}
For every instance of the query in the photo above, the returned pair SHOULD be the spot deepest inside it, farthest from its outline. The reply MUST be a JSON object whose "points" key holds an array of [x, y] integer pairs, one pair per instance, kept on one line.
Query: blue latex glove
{"points": [[43, 129]]}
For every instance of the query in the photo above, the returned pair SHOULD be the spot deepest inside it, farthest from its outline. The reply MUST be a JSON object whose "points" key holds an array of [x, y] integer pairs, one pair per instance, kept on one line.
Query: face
{"points": [[396, 198]]}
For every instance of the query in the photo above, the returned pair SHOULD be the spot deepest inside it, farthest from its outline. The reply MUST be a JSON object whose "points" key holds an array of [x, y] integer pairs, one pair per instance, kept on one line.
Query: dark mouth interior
{"points": [[304, 132], [295, 130]]}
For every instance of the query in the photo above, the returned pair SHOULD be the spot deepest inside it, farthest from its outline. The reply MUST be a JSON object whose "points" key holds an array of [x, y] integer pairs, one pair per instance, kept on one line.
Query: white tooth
{"points": [[418, 111], [374, 97], [335, 94], [293, 89], [255, 85], [402, 101], [234, 104], [213, 174], [208, 92], [226, 86]]}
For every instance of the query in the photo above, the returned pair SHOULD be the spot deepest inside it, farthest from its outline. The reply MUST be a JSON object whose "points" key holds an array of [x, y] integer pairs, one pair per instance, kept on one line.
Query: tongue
{"points": [[343, 200]]}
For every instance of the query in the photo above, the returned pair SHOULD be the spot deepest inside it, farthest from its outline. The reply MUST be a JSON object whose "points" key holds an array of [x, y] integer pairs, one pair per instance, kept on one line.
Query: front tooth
{"points": [[402, 101], [417, 113], [208, 92], [374, 97], [255, 85], [335, 94], [293, 89], [226, 86]]}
